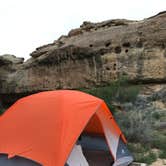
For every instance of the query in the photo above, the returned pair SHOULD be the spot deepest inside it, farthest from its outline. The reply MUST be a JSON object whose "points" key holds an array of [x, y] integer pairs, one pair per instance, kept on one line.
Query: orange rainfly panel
{"points": [[45, 126]]}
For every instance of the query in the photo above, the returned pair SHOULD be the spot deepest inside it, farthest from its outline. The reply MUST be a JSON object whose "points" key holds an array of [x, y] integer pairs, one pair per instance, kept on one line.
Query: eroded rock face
{"points": [[93, 55]]}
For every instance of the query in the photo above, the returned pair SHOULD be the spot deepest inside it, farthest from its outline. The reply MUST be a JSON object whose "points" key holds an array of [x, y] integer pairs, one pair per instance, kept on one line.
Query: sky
{"points": [[28, 24]]}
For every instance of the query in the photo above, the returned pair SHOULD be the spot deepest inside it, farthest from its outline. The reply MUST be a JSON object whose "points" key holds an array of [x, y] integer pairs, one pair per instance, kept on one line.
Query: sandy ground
{"points": [[159, 162]]}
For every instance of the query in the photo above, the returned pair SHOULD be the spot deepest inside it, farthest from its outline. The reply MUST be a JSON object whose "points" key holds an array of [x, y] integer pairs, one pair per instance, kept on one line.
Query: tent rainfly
{"points": [[42, 129]]}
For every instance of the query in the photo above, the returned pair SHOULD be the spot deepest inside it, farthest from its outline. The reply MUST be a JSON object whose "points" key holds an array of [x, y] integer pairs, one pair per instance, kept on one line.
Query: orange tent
{"points": [[45, 126]]}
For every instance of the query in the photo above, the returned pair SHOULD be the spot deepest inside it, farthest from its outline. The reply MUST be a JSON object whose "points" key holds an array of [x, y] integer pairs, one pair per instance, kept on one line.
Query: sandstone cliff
{"points": [[93, 55]]}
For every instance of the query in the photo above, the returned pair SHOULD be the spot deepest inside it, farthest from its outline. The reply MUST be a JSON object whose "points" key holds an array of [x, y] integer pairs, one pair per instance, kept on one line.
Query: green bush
{"points": [[148, 158], [162, 154], [159, 141], [138, 148], [125, 92], [142, 153], [156, 115], [118, 91], [105, 93]]}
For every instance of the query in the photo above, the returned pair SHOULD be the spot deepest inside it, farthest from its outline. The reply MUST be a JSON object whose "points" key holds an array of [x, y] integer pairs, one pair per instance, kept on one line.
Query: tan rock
{"points": [[93, 55]]}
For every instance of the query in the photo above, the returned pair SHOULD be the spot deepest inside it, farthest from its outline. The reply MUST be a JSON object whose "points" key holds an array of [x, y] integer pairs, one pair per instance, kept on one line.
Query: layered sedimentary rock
{"points": [[93, 55]]}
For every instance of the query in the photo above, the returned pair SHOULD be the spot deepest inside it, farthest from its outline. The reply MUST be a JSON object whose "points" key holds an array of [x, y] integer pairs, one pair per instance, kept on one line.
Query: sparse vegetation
{"points": [[156, 115], [118, 91], [148, 158], [162, 154], [159, 141], [142, 153], [139, 121], [139, 126], [136, 125]]}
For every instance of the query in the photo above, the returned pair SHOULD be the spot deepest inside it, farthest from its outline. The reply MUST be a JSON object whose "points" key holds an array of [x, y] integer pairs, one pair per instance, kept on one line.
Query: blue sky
{"points": [[27, 24]]}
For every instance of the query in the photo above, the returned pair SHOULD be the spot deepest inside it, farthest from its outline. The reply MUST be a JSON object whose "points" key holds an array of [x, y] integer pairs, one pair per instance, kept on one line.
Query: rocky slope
{"points": [[93, 55]]}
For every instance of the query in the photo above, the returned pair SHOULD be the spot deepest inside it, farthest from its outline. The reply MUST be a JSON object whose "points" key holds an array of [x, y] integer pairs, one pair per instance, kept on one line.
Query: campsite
{"points": [[83, 83]]}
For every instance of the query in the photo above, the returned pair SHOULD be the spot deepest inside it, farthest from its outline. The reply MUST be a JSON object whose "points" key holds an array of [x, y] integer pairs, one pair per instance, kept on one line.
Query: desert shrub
{"points": [[104, 93], [162, 154], [136, 125], [142, 153], [139, 127], [156, 115], [119, 91], [123, 91], [138, 148], [148, 158], [159, 141], [164, 132]]}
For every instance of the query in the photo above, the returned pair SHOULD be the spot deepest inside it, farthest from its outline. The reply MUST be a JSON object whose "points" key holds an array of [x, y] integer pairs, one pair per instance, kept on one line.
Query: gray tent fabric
{"points": [[123, 156], [122, 150], [16, 161], [76, 157]]}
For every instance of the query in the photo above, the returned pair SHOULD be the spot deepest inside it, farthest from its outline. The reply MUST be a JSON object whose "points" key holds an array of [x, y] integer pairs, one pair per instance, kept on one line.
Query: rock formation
{"points": [[93, 55]]}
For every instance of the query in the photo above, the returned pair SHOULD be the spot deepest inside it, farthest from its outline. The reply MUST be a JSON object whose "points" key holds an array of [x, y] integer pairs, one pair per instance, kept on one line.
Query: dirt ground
{"points": [[159, 162]]}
